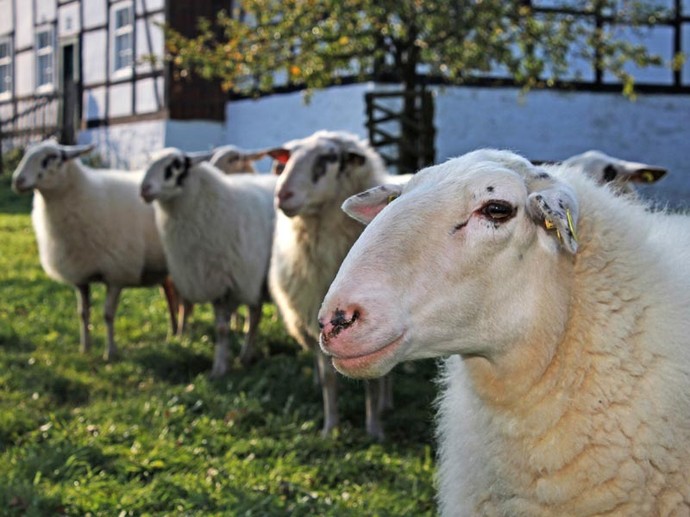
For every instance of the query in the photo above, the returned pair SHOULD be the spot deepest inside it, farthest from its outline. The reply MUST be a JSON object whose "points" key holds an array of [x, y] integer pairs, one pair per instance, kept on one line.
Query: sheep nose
{"points": [[284, 196], [146, 192], [339, 321], [20, 183]]}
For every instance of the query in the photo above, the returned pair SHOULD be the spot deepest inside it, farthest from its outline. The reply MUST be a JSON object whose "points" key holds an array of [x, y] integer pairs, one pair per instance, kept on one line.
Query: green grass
{"points": [[151, 434]]}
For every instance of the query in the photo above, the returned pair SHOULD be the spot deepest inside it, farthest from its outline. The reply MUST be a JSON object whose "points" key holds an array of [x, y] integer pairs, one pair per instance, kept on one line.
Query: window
{"points": [[44, 58], [5, 66], [123, 41]]}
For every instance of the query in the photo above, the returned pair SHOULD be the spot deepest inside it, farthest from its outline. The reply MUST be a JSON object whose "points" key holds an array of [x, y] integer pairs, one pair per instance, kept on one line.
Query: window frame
{"points": [[120, 32], [7, 61], [47, 51]]}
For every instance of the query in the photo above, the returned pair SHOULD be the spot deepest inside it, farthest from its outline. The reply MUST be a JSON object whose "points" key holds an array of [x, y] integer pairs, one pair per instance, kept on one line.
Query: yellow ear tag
{"points": [[648, 177], [549, 225], [571, 226], [391, 198]]}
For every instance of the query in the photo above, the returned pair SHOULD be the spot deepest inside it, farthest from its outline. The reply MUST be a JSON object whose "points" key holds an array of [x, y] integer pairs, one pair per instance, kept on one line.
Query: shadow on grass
{"points": [[172, 363], [46, 381]]}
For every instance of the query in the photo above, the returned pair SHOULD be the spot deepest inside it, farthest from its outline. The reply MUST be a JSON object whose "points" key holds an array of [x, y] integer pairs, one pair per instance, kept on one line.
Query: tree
{"points": [[318, 43]]}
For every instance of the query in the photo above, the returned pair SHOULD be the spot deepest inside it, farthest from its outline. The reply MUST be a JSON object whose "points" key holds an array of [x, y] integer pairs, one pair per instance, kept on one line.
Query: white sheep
{"points": [[217, 232], [313, 236], [232, 160], [621, 175], [564, 310], [90, 227]]}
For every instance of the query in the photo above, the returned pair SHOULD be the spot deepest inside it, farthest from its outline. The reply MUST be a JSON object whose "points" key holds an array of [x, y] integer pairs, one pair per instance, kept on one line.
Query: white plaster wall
{"points": [[7, 17], [194, 135], [69, 20], [149, 40], [126, 146], [94, 63], [24, 33], [120, 100], [93, 105], [149, 95], [272, 120], [24, 73], [151, 5], [46, 11], [95, 13]]}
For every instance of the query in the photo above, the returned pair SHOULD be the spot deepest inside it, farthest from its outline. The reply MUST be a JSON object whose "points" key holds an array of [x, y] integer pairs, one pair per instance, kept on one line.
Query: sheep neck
{"points": [[72, 182]]}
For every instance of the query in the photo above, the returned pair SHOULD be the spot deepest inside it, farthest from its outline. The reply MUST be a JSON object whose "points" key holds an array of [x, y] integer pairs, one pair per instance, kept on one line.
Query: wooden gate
{"points": [[401, 128]]}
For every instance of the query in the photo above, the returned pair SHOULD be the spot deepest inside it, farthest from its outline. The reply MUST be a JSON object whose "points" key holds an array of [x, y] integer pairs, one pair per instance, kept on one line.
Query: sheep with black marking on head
{"points": [[562, 309], [217, 232], [621, 175], [313, 236], [90, 227]]}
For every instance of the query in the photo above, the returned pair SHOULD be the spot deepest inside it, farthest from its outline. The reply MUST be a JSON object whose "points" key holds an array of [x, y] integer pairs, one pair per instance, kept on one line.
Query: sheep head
{"points": [[619, 174], [313, 171], [165, 177], [43, 165], [463, 259]]}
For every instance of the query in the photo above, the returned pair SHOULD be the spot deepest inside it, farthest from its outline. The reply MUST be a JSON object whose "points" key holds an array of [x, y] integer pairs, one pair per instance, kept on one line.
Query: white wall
{"points": [[194, 135], [269, 121], [126, 146], [24, 32], [95, 13], [543, 125], [7, 16]]}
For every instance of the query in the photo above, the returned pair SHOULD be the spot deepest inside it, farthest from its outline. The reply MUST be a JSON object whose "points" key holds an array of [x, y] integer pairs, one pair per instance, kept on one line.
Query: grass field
{"points": [[151, 434]]}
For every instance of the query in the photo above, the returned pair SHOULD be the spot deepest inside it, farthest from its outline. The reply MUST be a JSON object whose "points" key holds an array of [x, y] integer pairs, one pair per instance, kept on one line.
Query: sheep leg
{"points": [[173, 300], [247, 352], [222, 310], [184, 310], [386, 400], [237, 322], [373, 391], [112, 297], [329, 391], [84, 311]]}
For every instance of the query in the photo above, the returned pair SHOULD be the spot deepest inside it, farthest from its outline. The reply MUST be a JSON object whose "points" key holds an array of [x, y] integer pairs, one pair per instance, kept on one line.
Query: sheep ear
{"points": [[279, 154], [197, 157], [363, 207], [70, 152], [556, 209], [645, 174], [255, 155]]}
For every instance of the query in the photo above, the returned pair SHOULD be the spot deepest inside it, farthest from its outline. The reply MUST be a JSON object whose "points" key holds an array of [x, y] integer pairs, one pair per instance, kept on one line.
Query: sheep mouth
{"points": [[23, 189], [369, 364], [148, 197]]}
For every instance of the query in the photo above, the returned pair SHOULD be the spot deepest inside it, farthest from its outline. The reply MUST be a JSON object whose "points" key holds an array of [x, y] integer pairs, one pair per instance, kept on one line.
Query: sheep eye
{"points": [[46, 161], [497, 211], [610, 173]]}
